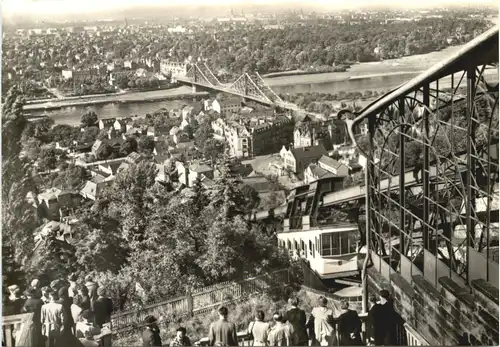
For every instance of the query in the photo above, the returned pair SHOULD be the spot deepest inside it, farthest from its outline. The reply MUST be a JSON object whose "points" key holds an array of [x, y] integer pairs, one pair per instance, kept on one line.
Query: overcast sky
{"points": [[56, 7]]}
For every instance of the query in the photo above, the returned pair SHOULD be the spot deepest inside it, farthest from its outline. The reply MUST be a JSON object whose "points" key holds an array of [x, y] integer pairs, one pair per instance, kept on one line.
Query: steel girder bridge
{"points": [[249, 86]]}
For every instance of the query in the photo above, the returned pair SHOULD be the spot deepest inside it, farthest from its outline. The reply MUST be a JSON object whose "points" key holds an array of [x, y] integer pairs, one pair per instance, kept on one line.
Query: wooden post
{"points": [[189, 299]]}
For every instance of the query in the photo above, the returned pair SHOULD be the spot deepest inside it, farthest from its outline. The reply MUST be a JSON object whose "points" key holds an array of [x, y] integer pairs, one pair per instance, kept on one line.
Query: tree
{"points": [[88, 135], [18, 217], [103, 134], [203, 133], [64, 134], [72, 177], [128, 146], [146, 144], [89, 119], [213, 149], [130, 195], [50, 157], [104, 152]]}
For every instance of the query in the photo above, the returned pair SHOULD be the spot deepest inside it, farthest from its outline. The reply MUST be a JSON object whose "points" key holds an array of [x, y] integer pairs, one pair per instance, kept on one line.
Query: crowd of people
{"points": [[294, 328], [66, 310], [80, 309]]}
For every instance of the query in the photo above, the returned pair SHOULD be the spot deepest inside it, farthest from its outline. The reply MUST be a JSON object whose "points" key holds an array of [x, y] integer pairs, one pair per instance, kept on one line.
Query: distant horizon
{"points": [[62, 7]]}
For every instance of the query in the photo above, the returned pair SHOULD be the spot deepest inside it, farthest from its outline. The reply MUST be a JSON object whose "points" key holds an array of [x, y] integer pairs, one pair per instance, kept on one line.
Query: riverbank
{"points": [[123, 98], [414, 64]]}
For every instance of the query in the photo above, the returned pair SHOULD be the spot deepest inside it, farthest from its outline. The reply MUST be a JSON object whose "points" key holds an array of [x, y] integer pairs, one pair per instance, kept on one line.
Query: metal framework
{"points": [[250, 85], [435, 138]]}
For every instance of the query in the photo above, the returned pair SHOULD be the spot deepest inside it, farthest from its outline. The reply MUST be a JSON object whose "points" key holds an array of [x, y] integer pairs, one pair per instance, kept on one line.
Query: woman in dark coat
{"points": [[66, 302], [82, 299], [349, 326]]}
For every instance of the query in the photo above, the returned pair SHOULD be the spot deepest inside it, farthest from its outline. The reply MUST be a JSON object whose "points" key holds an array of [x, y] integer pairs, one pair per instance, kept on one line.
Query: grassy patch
{"points": [[242, 314]]}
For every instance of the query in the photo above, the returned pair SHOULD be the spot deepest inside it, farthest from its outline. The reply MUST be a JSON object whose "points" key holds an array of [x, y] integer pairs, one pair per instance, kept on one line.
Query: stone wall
{"points": [[446, 315]]}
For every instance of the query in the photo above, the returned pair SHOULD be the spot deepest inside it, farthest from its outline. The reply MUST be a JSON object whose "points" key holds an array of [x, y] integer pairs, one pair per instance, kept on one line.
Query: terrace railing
{"points": [[198, 301], [19, 330]]}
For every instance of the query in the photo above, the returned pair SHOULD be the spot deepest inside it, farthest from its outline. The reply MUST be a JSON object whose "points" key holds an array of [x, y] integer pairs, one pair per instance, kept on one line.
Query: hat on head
{"points": [[13, 287]]}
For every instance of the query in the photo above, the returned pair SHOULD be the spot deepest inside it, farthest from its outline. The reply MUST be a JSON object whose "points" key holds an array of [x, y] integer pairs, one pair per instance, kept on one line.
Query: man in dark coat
{"points": [[103, 307], [151, 335], [373, 328], [349, 326], [387, 318], [297, 318]]}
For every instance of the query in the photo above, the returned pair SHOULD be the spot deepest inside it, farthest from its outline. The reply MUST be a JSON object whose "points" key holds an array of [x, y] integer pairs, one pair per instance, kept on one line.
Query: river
{"points": [[71, 115], [376, 76]]}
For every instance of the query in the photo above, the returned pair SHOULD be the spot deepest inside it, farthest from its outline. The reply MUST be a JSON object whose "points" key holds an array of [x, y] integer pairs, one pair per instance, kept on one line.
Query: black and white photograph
{"points": [[250, 173]]}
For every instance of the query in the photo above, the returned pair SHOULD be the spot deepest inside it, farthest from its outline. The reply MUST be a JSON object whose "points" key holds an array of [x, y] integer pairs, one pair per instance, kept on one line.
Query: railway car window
{"points": [[325, 245], [353, 240], [289, 245], [311, 248], [344, 243], [296, 245], [335, 243]]}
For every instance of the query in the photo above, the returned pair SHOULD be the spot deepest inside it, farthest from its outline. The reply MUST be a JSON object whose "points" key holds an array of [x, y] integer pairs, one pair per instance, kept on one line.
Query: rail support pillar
{"points": [[194, 89]]}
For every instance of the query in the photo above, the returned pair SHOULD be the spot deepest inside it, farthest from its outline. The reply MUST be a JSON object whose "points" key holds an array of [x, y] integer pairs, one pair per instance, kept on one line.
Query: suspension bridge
{"points": [[249, 86]]}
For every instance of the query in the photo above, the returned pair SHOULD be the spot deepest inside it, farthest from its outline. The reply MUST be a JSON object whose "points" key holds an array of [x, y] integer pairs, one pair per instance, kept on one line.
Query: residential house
{"points": [[106, 122], [95, 186], [166, 172], [297, 159], [181, 137], [259, 134], [157, 131], [132, 158], [161, 148], [81, 147], [114, 143], [112, 133], [314, 172], [120, 124], [335, 167], [312, 133], [110, 168], [54, 203], [188, 174], [226, 106]]}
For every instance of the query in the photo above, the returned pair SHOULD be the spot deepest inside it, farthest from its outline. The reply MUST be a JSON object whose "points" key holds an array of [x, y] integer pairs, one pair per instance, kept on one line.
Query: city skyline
{"points": [[59, 7]]}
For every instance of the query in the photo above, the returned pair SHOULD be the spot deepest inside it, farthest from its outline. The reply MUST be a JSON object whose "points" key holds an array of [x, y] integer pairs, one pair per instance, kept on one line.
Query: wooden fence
{"points": [[198, 301], [18, 330]]}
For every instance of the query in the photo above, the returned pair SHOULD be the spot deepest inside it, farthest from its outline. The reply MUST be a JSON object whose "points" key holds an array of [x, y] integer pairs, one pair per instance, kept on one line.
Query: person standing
{"points": [[151, 335], [387, 318], [349, 326], [258, 329], [374, 320], [297, 318], [103, 308], [45, 295], [322, 320], [222, 332], [35, 284], [92, 290], [72, 289], [15, 301], [66, 301], [180, 338], [82, 299], [52, 319], [33, 304], [279, 334]]}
